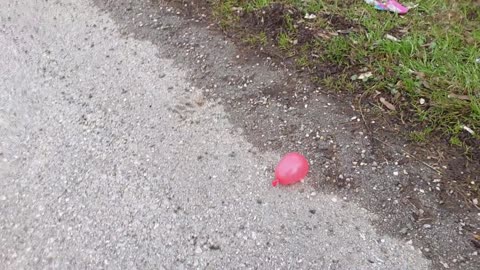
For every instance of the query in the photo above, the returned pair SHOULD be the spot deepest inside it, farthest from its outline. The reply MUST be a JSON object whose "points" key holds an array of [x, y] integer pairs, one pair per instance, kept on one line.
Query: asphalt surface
{"points": [[110, 158]]}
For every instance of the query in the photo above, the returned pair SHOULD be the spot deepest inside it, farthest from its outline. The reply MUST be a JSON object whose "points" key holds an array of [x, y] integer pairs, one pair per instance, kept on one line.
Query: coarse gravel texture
{"points": [[115, 156]]}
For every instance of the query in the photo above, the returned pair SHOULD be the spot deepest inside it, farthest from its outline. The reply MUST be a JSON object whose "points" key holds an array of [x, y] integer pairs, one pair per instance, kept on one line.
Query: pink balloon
{"points": [[292, 168]]}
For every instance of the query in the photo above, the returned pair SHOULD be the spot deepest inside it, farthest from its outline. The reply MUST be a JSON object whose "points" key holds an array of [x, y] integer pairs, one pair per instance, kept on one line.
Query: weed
{"points": [[420, 136], [302, 61], [223, 10], [454, 140], [289, 24], [256, 4], [284, 41], [259, 39]]}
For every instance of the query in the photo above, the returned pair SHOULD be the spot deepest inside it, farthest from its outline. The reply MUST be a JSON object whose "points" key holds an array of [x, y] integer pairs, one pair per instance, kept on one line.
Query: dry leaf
{"points": [[420, 75], [469, 130], [462, 97], [365, 76], [392, 38], [347, 31], [476, 236], [237, 9], [387, 104], [426, 84], [411, 5], [323, 34]]}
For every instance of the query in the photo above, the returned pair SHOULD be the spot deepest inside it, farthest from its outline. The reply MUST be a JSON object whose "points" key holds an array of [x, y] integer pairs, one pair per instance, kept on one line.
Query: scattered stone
{"points": [[312, 211], [214, 247], [310, 16], [445, 265], [404, 230]]}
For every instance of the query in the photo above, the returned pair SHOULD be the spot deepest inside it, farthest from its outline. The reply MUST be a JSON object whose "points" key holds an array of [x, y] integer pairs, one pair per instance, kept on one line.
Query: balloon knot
{"points": [[275, 182]]}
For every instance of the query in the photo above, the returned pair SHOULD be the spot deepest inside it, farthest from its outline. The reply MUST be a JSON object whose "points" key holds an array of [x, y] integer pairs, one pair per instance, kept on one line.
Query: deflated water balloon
{"points": [[292, 168]]}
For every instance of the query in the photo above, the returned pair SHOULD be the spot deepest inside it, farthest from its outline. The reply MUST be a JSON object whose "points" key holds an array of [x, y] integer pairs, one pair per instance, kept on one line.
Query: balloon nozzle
{"points": [[275, 182]]}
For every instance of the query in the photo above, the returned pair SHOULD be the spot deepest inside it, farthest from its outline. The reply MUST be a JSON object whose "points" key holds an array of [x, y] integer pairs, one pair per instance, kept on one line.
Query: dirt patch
{"points": [[472, 15], [398, 32], [271, 19], [339, 23]]}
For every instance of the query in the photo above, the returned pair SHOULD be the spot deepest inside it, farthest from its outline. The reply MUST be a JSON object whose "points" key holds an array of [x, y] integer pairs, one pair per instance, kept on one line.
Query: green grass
{"points": [[259, 39], [284, 41], [424, 72], [256, 4]]}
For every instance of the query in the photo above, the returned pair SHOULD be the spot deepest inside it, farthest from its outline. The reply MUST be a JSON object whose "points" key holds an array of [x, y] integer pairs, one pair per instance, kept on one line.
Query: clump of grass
{"points": [[302, 61], [284, 41], [223, 10], [420, 136], [259, 39], [256, 4]]}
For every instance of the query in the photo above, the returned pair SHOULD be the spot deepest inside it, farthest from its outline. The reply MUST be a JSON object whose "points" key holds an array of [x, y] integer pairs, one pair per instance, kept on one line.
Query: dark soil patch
{"points": [[339, 23], [271, 19], [473, 14], [276, 19], [328, 69]]}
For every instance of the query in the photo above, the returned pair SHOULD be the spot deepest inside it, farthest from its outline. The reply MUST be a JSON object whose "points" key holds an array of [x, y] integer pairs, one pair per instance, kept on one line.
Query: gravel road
{"points": [[110, 158]]}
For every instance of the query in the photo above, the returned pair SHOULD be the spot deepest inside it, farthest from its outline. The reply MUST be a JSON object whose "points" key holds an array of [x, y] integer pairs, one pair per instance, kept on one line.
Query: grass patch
{"points": [[259, 39], [284, 41], [426, 63]]}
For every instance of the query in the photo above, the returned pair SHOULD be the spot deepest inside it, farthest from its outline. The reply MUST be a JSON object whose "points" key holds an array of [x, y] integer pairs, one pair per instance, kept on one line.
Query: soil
{"points": [[358, 152]]}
